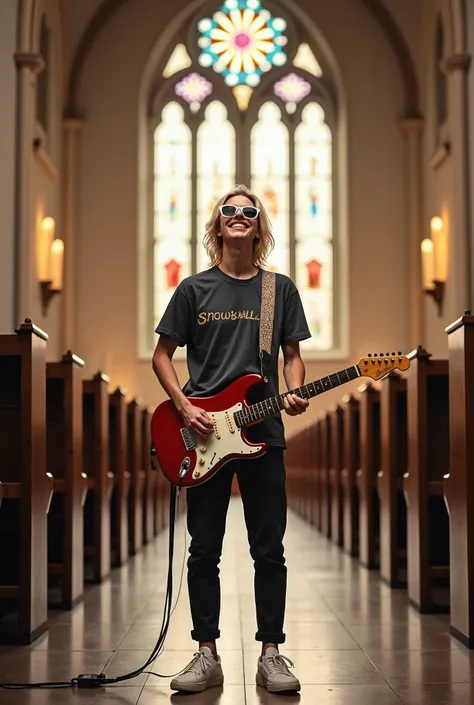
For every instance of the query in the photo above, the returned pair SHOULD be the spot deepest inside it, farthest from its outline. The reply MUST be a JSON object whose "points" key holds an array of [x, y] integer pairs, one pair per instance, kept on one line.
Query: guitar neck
{"points": [[273, 405]]}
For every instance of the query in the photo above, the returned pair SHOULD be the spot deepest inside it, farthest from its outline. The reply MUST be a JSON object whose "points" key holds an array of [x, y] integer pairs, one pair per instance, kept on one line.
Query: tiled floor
{"points": [[353, 640]]}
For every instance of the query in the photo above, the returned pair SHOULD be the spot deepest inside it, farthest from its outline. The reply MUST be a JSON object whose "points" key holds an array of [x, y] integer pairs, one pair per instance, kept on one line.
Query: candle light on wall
{"points": [[47, 230], [427, 263], [434, 262], [439, 249], [57, 254], [50, 262]]}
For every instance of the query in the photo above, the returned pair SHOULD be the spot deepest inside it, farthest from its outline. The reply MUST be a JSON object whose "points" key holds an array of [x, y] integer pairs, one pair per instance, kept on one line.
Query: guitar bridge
{"points": [[189, 441]]}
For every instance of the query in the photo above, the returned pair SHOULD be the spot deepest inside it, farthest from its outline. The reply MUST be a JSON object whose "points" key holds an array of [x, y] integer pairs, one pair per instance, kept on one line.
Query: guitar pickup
{"points": [[189, 441]]}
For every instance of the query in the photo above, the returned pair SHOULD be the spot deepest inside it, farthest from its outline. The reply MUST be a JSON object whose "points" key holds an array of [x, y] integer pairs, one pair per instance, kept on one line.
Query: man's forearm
{"points": [[294, 373], [164, 370]]}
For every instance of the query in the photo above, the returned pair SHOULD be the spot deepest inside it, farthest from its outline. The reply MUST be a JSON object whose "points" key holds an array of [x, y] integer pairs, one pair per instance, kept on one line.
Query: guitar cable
{"points": [[99, 680]]}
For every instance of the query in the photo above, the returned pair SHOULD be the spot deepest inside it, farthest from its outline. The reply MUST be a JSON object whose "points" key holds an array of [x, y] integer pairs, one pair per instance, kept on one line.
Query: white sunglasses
{"points": [[228, 210]]}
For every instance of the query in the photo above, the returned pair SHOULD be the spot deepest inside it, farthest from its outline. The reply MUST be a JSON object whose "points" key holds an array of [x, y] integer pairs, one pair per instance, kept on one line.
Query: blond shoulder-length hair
{"points": [[263, 245]]}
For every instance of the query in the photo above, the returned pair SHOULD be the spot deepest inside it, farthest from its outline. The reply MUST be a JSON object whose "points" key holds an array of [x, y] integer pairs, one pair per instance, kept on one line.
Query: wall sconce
{"points": [[51, 255], [434, 262]]}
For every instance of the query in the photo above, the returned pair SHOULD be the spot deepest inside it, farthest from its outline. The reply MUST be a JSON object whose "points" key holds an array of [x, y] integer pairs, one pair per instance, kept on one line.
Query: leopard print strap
{"points": [[266, 316]]}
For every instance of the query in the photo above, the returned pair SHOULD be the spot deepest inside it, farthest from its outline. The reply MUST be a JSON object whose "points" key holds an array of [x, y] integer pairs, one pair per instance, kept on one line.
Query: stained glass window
{"points": [[215, 168], [172, 228], [194, 88], [292, 89], [306, 60], [313, 223], [270, 172], [242, 41], [178, 61], [224, 125]]}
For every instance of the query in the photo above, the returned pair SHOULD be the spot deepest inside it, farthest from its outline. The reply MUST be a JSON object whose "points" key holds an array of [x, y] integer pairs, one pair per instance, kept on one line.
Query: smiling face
{"points": [[237, 227]]}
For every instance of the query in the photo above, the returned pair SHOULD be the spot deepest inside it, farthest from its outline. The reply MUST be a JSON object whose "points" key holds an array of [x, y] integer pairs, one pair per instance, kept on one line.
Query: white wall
{"points": [[8, 39]]}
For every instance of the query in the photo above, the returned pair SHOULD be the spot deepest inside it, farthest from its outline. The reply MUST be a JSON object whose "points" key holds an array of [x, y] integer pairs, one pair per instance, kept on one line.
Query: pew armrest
{"points": [[11, 490]]}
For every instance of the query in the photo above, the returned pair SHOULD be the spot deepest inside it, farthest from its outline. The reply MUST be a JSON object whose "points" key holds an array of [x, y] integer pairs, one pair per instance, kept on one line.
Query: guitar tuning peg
{"points": [[375, 355], [369, 355], [393, 353], [399, 352], [387, 354]]}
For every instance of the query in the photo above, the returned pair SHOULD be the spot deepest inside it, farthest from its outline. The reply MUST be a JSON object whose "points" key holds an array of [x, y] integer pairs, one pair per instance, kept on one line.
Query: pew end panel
{"points": [[64, 462], [100, 480], [150, 478], [118, 448], [26, 488], [137, 476], [459, 480], [393, 519], [324, 473], [428, 462], [337, 463], [366, 475], [350, 406]]}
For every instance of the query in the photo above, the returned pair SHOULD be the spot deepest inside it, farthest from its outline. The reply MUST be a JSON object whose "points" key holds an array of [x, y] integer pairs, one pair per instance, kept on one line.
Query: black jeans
{"points": [[262, 483]]}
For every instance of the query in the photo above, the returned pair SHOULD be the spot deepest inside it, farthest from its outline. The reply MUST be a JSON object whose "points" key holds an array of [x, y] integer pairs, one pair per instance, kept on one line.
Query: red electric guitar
{"points": [[187, 461]]}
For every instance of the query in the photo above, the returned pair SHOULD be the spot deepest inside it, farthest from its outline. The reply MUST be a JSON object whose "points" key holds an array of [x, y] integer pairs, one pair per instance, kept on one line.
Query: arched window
{"points": [[242, 99]]}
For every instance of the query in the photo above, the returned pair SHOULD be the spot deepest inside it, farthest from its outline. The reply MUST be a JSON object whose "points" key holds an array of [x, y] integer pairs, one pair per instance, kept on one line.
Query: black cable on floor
{"points": [[99, 680]]}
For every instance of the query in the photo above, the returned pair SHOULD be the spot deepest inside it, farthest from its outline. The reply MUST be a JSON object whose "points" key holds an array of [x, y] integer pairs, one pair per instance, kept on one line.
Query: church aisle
{"points": [[353, 640]]}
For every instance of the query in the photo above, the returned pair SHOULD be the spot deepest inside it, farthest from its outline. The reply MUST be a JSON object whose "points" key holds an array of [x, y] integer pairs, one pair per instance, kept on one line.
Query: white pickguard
{"points": [[225, 440]]}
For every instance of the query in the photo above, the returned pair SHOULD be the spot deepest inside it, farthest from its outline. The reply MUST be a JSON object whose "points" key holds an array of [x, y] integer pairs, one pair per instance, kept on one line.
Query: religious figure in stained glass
{"points": [[173, 270], [242, 41]]}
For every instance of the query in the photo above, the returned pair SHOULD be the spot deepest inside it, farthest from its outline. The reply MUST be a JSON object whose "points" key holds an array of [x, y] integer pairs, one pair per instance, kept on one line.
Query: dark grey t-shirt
{"points": [[218, 318]]}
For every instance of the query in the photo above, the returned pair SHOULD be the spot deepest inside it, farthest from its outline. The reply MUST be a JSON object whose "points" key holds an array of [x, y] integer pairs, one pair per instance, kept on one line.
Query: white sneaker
{"points": [[201, 673], [273, 673]]}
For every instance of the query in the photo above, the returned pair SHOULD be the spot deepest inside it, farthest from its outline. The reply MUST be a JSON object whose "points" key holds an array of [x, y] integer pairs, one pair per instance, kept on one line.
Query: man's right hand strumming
{"points": [[196, 419]]}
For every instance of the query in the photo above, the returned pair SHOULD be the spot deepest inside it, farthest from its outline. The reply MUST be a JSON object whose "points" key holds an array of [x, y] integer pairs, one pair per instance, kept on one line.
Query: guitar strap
{"points": [[267, 310]]}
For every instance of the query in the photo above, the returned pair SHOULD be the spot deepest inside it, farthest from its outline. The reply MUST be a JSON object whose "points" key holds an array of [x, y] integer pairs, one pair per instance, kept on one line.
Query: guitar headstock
{"points": [[378, 365]]}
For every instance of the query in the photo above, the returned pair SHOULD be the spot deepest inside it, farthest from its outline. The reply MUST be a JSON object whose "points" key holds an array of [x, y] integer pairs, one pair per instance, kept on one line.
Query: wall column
{"points": [[72, 127], [412, 128], [29, 65], [456, 67]]}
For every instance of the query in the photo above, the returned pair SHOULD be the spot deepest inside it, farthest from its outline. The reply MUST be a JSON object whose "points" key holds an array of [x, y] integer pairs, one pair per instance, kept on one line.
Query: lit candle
{"points": [[427, 264], [47, 236], [57, 252], [439, 249]]}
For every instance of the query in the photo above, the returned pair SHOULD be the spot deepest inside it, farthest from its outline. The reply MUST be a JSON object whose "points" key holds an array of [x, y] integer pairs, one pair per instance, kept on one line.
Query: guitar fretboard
{"points": [[259, 411]]}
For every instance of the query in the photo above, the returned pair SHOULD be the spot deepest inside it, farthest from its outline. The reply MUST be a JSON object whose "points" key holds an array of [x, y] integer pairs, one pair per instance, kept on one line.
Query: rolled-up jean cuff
{"points": [[203, 635], [270, 637]]}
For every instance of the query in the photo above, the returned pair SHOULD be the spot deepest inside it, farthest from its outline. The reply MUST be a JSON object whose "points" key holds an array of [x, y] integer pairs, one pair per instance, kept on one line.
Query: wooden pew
{"points": [[149, 489], [393, 465], [64, 463], [366, 475], [160, 496], [335, 479], [459, 482], [100, 479], [137, 477], [324, 470], [428, 462], [316, 463], [26, 488], [118, 448], [350, 407]]}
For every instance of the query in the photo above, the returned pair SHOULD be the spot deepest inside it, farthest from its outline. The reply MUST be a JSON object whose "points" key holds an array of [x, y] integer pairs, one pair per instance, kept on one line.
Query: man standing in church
{"points": [[209, 314]]}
